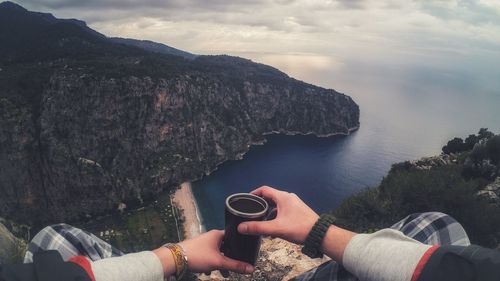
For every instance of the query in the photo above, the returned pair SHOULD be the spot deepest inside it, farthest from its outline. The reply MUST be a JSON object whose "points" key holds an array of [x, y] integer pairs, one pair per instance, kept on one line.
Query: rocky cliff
{"points": [[12, 249], [278, 260], [86, 123]]}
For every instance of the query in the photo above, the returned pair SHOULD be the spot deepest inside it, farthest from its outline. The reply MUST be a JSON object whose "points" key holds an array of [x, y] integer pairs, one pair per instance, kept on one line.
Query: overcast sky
{"points": [[313, 40]]}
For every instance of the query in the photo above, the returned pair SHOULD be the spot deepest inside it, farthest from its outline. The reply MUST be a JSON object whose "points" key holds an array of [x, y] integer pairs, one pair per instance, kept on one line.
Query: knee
{"points": [[51, 231], [51, 227]]}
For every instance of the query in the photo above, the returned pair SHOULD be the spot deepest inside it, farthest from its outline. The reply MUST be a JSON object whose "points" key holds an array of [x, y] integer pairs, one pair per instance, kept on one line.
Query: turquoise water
{"points": [[400, 121]]}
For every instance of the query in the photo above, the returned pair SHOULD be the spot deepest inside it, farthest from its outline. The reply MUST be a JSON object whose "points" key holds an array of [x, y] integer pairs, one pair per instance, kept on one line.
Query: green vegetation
{"points": [[458, 145], [142, 229], [450, 188], [484, 159]]}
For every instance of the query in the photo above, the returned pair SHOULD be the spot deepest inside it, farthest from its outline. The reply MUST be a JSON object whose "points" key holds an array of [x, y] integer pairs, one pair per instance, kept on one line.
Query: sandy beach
{"points": [[185, 200]]}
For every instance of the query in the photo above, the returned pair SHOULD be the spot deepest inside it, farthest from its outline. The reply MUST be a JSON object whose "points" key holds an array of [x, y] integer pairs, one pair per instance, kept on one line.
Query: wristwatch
{"points": [[312, 244], [180, 259]]}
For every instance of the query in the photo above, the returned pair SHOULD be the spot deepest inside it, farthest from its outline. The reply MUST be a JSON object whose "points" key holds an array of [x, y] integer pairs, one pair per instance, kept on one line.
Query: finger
{"points": [[236, 266], [258, 228], [217, 233], [268, 193], [214, 234], [217, 238]]}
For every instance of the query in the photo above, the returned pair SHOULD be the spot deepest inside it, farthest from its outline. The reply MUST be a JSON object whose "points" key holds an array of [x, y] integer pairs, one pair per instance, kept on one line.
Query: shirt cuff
{"points": [[143, 266], [386, 255]]}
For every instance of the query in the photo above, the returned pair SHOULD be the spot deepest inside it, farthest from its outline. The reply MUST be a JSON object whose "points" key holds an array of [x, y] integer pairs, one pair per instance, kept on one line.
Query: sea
{"points": [[404, 116]]}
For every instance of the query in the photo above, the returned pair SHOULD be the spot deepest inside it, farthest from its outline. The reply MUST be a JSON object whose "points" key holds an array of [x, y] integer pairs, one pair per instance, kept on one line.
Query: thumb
{"points": [[257, 228]]}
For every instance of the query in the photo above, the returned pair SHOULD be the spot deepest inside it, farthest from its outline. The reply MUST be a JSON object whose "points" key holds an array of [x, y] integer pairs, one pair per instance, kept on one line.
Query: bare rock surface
{"points": [[491, 192], [426, 163], [11, 248], [279, 260]]}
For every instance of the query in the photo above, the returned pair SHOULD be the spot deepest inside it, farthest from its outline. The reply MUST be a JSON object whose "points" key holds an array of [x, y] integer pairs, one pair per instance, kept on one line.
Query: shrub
{"points": [[453, 146], [458, 145], [484, 159], [441, 189]]}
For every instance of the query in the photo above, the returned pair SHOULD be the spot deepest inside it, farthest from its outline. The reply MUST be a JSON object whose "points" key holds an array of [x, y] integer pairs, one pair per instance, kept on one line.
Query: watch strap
{"points": [[312, 244]]}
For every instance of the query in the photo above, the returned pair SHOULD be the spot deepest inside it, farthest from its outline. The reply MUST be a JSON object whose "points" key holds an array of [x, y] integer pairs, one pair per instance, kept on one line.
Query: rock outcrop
{"points": [[11, 248], [491, 192], [278, 260], [427, 163]]}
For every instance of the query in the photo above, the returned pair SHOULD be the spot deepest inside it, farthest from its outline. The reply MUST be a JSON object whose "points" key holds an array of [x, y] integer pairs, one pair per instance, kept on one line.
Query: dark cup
{"points": [[243, 207]]}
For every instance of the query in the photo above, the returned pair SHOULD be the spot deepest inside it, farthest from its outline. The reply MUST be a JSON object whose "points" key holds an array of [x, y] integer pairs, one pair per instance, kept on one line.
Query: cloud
{"points": [[148, 5], [353, 4], [469, 11], [308, 37]]}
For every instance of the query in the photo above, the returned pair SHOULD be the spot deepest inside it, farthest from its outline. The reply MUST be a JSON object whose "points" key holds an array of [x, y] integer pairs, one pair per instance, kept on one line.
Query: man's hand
{"points": [[204, 255], [294, 218], [294, 221]]}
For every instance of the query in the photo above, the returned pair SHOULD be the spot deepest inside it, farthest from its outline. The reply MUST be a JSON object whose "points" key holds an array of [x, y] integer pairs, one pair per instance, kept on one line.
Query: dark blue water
{"points": [[401, 119], [303, 164]]}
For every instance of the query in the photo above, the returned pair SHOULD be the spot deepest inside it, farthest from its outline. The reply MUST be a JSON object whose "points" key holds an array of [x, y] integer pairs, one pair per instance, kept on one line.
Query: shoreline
{"points": [[184, 197], [186, 202], [240, 155]]}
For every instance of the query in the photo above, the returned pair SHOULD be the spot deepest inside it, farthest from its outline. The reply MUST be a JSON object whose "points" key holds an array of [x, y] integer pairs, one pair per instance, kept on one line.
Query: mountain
{"points": [[29, 35], [153, 47], [45, 32], [87, 123]]}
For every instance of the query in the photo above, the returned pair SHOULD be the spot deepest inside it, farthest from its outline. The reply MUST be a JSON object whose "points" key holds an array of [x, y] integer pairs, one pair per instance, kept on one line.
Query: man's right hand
{"points": [[294, 219]]}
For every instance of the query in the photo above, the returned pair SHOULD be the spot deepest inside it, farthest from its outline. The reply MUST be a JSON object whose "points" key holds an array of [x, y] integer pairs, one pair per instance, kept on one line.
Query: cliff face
{"points": [[99, 141], [91, 123]]}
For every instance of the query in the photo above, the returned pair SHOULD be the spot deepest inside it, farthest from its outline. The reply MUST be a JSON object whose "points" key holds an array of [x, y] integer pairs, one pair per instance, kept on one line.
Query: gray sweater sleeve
{"points": [[143, 266], [386, 255]]}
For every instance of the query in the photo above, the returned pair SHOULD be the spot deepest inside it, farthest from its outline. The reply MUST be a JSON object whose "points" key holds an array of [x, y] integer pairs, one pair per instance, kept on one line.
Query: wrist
{"points": [[335, 242], [166, 259], [179, 257], [311, 221], [185, 252]]}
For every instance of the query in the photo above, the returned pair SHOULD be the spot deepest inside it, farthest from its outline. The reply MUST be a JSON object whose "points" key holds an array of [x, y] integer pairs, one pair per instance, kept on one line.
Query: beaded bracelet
{"points": [[180, 259]]}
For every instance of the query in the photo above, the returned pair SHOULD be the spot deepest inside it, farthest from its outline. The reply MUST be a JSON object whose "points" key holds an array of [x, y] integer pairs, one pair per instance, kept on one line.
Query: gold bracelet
{"points": [[180, 259]]}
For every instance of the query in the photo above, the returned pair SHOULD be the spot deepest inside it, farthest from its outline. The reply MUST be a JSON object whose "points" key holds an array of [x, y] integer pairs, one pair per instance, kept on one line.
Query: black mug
{"points": [[242, 207]]}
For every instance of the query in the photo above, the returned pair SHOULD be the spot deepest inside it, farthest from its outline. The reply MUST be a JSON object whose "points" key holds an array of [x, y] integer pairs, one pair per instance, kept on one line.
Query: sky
{"points": [[332, 43]]}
